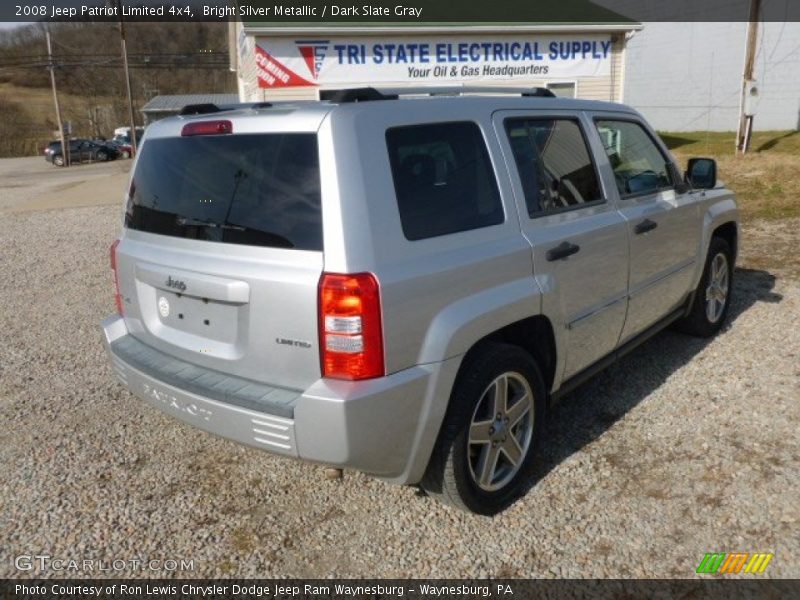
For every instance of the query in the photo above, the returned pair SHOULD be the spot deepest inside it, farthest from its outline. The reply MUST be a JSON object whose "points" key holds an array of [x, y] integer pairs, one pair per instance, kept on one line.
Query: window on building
{"points": [[443, 179]]}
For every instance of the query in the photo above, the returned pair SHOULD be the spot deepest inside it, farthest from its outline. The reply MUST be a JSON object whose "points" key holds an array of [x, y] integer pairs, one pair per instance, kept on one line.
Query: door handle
{"points": [[563, 250], [645, 226]]}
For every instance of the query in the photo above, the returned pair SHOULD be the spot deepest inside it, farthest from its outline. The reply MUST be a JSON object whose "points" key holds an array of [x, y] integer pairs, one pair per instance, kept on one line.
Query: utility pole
{"points": [[746, 121], [118, 5], [64, 145]]}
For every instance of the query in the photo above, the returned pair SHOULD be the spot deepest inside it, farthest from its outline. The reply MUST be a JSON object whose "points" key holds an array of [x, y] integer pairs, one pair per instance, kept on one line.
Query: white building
{"points": [[688, 76], [683, 76]]}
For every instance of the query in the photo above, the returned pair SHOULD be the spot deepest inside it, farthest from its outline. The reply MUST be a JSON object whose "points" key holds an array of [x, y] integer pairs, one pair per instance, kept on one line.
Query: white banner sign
{"points": [[315, 61]]}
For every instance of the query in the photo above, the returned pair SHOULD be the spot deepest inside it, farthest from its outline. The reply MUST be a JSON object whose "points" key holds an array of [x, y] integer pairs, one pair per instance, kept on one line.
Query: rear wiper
{"points": [[191, 222]]}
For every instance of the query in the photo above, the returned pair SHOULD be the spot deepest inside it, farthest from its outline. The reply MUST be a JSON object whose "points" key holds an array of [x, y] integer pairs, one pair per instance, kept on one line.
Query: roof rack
{"points": [[208, 108], [199, 109], [366, 94]]}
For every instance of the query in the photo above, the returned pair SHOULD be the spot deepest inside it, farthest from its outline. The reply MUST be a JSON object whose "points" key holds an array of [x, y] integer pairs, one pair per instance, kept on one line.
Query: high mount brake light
{"points": [[350, 329], [207, 128], [112, 253]]}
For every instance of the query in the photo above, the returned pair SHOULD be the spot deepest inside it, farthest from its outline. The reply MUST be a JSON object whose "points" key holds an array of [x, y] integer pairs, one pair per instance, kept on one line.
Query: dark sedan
{"points": [[80, 151]]}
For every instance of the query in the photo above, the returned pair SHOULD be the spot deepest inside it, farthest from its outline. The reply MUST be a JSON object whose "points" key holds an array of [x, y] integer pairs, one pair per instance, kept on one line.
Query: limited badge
{"points": [[163, 307]]}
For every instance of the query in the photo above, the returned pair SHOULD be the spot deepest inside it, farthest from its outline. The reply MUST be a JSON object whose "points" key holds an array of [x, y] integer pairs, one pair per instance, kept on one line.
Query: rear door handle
{"points": [[563, 250], [645, 226]]}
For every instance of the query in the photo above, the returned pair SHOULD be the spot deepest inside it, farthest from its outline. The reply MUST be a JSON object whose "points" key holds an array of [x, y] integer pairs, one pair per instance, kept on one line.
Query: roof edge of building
{"points": [[301, 28]]}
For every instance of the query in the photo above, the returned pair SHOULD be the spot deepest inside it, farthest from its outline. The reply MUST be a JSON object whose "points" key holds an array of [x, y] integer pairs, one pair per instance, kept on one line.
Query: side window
{"points": [[554, 164], [638, 164], [443, 179]]}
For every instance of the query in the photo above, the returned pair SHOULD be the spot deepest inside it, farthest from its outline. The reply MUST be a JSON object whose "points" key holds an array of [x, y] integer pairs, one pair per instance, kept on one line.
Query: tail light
{"points": [[112, 252], [350, 330], [207, 128]]}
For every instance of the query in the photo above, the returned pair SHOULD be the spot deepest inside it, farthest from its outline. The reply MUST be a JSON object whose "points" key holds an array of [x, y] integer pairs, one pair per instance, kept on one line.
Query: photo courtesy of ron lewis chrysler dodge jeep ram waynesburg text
{"points": [[400, 282]]}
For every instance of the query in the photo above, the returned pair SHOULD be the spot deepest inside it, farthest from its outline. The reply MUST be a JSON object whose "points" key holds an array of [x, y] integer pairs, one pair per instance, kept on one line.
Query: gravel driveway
{"points": [[684, 447]]}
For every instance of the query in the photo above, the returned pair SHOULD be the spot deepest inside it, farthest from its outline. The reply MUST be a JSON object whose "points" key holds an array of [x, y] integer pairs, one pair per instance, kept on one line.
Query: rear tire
{"points": [[102, 156], [484, 456], [712, 298]]}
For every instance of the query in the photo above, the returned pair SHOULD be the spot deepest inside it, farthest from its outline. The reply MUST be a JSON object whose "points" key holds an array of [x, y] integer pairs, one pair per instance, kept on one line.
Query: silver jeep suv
{"points": [[400, 285]]}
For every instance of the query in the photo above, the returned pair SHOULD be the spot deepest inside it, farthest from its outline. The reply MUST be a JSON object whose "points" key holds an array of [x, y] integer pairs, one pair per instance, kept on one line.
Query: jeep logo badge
{"points": [[175, 283]]}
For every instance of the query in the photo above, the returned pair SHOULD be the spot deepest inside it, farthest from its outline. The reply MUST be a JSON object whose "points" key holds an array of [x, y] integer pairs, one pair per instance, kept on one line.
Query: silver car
{"points": [[401, 284]]}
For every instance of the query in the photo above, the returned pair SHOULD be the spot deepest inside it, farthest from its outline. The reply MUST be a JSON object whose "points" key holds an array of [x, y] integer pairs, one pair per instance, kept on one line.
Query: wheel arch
{"points": [[729, 232], [721, 219], [534, 335]]}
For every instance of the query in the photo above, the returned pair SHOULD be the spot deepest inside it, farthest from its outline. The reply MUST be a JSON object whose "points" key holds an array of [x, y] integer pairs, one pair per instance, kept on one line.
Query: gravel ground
{"points": [[683, 448], [32, 183]]}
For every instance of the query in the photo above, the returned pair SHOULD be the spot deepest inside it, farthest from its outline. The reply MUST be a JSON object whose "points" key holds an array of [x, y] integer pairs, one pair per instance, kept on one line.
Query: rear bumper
{"points": [[385, 427]]}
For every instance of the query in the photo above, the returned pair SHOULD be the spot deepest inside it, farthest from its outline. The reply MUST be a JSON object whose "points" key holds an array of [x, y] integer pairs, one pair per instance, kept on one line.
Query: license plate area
{"points": [[202, 317]]}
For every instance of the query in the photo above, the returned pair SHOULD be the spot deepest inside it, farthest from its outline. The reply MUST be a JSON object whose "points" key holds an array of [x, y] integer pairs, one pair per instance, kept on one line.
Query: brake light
{"points": [[112, 252], [207, 128], [350, 330]]}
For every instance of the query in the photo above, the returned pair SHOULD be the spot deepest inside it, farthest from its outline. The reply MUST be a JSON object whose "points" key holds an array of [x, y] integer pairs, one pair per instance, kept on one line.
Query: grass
{"points": [[723, 143], [37, 123], [767, 185], [766, 179]]}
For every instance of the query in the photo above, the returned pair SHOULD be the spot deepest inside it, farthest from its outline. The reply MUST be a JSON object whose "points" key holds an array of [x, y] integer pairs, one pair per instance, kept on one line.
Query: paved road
{"points": [[31, 183]]}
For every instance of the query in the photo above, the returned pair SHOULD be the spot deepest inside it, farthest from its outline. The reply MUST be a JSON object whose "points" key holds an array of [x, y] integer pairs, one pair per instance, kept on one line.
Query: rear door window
{"points": [[260, 190], [443, 179]]}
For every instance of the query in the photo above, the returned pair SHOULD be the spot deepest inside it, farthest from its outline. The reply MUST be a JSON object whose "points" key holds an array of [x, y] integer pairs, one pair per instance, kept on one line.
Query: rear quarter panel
{"points": [[439, 295]]}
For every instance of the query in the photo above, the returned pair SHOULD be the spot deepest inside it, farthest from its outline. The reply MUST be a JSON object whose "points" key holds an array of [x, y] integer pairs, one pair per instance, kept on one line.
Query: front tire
{"points": [[712, 298], [102, 156], [58, 161], [484, 456]]}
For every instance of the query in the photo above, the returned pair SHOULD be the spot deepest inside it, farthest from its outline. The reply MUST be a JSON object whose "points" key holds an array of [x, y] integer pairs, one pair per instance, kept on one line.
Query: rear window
{"points": [[259, 190], [443, 179]]}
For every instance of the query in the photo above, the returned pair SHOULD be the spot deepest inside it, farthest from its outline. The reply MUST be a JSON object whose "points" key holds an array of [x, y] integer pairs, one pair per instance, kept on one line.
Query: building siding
{"points": [[688, 76]]}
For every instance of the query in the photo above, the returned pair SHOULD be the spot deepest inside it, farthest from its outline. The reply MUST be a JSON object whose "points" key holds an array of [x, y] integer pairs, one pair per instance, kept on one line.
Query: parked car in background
{"points": [[81, 151], [122, 143]]}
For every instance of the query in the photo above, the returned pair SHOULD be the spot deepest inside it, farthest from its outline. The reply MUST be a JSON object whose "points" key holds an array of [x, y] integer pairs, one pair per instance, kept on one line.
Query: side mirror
{"points": [[701, 173]]}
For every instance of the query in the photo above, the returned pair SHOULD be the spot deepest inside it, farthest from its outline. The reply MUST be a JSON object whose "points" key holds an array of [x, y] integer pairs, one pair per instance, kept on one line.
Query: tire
{"points": [[58, 161], [455, 473], [125, 154], [102, 156], [712, 298]]}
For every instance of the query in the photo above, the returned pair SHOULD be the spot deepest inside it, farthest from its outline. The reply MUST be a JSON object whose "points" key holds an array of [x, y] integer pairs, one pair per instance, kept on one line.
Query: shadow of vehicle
{"points": [[674, 141], [769, 144], [585, 414]]}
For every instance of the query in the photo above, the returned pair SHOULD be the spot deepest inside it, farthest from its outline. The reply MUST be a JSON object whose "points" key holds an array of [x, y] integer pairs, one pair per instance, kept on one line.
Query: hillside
{"points": [[165, 58]]}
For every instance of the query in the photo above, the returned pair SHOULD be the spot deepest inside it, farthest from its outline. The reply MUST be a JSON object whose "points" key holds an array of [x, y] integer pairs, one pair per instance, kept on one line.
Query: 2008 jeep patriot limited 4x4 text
{"points": [[400, 285]]}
